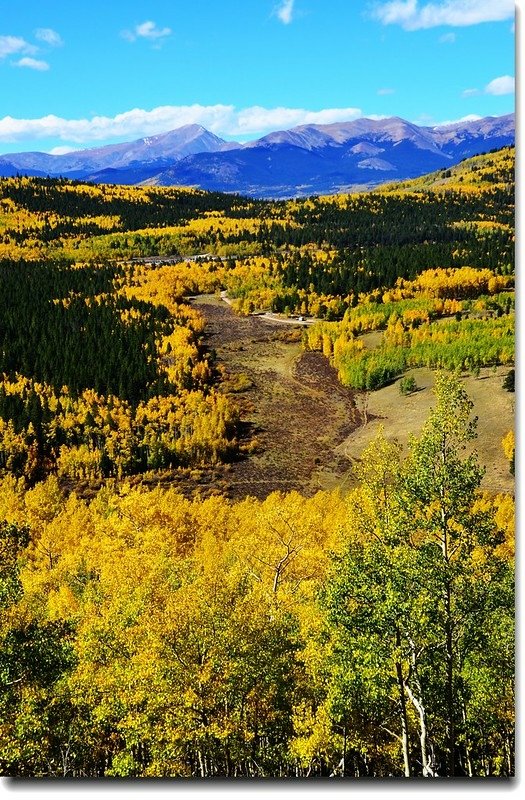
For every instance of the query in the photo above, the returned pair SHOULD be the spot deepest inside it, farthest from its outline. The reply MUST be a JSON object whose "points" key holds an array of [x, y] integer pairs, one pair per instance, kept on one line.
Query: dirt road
{"points": [[278, 318]]}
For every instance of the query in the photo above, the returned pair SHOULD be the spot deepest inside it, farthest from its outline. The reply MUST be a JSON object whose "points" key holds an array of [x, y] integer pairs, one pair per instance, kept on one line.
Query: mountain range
{"points": [[306, 160]]}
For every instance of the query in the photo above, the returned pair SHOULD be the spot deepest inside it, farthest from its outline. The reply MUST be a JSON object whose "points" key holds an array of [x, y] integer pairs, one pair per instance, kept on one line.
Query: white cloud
{"points": [[61, 150], [285, 11], [447, 38], [257, 119], [223, 120], [32, 63], [11, 45], [467, 118], [396, 12], [149, 30], [49, 36], [456, 13], [146, 30], [503, 85], [16, 46], [385, 91]]}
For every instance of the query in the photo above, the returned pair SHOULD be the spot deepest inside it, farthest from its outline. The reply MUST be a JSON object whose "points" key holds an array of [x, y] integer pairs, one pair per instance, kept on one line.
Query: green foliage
{"points": [[64, 325], [449, 345], [34, 658], [13, 540], [410, 603], [407, 385]]}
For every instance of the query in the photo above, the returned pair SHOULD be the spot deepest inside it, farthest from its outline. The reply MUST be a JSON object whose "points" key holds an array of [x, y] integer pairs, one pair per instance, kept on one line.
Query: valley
{"points": [[258, 429], [294, 408], [309, 430], [257, 513]]}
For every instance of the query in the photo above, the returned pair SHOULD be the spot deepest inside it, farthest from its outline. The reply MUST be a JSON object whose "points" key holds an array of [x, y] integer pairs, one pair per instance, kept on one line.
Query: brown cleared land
{"points": [[294, 406]]}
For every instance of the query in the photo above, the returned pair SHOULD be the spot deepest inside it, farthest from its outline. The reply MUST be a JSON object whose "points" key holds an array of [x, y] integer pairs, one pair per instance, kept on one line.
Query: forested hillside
{"points": [[153, 623]]}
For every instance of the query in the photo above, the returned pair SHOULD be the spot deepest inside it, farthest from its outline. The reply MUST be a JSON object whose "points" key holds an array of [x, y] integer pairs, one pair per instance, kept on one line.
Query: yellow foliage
{"points": [[509, 445]]}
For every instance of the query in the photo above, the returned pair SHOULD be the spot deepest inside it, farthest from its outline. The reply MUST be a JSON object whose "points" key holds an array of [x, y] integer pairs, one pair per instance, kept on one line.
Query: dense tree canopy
{"points": [[365, 635]]}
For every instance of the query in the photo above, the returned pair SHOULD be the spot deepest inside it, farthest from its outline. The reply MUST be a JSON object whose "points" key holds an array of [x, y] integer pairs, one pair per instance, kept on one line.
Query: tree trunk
{"points": [[450, 732], [202, 765], [468, 756], [428, 771], [403, 711], [344, 751]]}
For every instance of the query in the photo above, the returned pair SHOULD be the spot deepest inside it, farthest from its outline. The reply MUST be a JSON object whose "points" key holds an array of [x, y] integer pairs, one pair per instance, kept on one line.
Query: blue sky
{"points": [[85, 74]]}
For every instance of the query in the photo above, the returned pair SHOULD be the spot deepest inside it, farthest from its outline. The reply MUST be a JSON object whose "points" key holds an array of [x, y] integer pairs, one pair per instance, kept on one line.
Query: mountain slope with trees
{"points": [[153, 627]]}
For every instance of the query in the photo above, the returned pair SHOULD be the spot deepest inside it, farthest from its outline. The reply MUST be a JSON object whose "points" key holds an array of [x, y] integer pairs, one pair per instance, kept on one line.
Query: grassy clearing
{"points": [[400, 416], [309, 430]]}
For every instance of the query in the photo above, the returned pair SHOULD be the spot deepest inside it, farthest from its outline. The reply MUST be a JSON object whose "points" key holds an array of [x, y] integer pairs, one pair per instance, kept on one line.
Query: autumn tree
{"points": [[412, 596]]}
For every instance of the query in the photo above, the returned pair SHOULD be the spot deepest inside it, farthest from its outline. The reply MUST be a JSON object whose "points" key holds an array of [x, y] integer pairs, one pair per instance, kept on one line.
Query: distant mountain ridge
{"points": [[308, 159], [164, 148]]}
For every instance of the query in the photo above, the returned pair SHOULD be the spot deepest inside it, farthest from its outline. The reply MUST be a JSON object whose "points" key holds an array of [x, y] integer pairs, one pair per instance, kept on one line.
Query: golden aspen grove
{"points": [[207, 570]]}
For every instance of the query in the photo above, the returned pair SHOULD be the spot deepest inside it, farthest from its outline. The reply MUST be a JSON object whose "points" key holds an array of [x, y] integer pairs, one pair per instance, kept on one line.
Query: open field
{"points": [[401, 416], [294, 406], [309, 429]]}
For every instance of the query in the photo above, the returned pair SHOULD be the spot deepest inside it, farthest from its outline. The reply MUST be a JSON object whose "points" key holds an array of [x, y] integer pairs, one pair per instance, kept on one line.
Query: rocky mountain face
{"points": [[309, 159], [158, 151]]}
